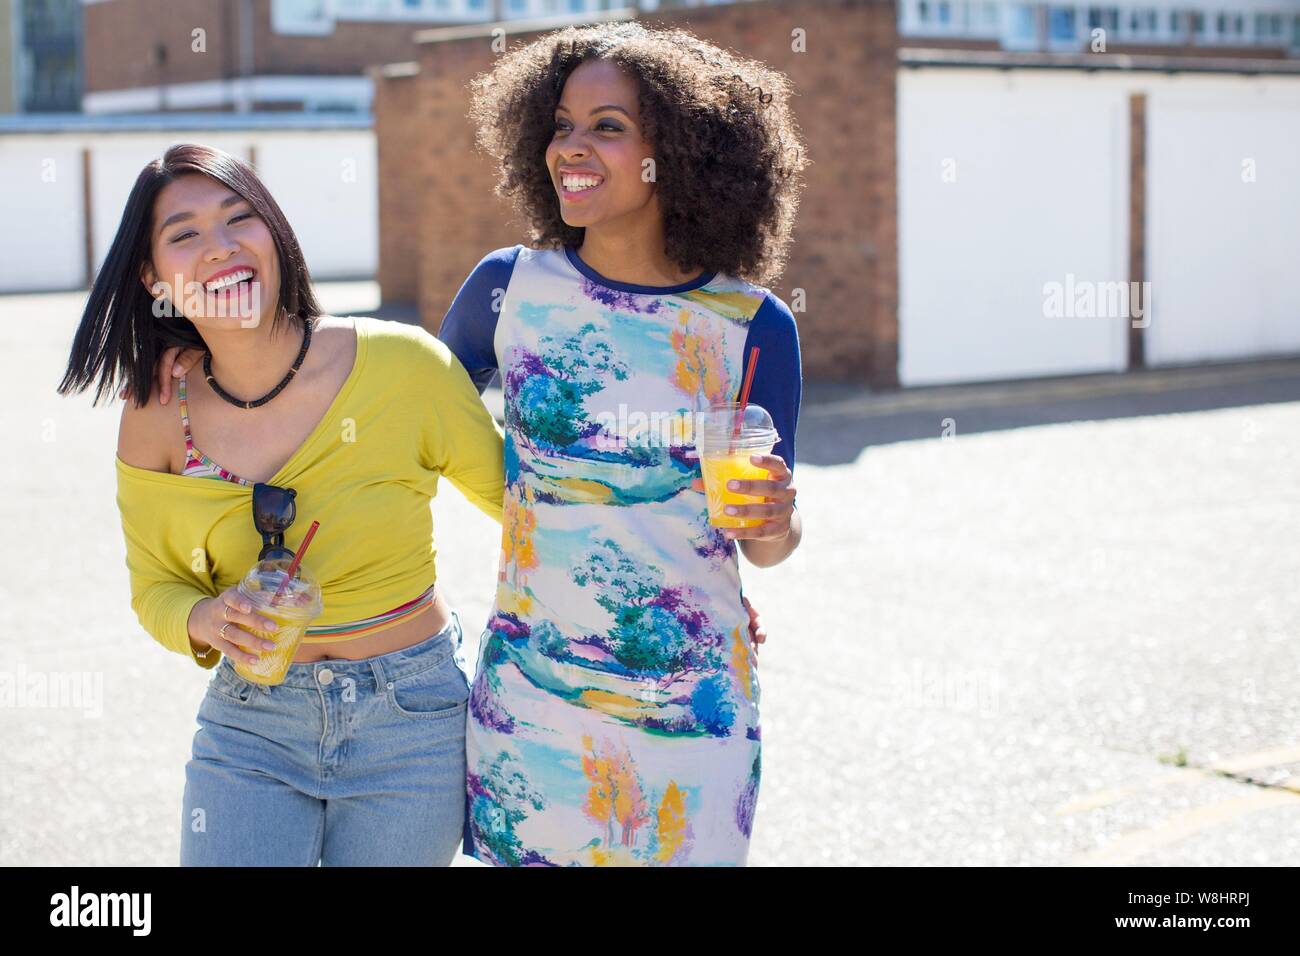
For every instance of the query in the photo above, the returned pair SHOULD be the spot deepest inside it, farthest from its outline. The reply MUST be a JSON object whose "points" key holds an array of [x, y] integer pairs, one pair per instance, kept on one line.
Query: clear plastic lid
{"points": [[301, 596], [717, 427]]}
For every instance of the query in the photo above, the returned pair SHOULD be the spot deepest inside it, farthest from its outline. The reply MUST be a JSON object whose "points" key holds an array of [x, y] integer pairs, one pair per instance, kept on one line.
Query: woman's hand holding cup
{"points": [[777, 505], [222, 622]]}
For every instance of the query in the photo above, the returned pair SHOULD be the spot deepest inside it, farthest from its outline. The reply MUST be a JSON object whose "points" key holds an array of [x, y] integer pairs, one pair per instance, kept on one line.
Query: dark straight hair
{"points": [[119, 337]]}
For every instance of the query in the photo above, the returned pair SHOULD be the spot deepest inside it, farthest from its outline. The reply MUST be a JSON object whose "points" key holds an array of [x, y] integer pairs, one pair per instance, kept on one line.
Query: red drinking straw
{"points": [[293, 565], [744, 393]]}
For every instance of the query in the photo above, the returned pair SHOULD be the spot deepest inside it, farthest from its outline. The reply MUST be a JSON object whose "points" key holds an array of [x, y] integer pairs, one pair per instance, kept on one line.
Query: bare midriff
{"points": [[409, 631]]}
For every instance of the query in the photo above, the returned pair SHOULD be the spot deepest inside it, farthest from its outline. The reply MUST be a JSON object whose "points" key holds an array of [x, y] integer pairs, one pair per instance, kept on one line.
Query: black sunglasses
{"points": [[273, 512]]}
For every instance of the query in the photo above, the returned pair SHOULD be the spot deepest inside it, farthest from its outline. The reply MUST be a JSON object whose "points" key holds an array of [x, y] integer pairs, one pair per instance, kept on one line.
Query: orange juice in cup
{"points": [[725, 450], [298, 604]]}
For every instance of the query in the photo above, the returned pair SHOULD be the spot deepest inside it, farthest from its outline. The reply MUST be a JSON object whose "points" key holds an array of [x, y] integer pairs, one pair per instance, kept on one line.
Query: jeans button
{"points": [[326, 676]]}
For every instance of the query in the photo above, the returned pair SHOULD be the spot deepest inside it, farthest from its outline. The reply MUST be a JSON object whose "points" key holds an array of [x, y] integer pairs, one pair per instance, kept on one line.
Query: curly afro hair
{"points": [[728, 153]]}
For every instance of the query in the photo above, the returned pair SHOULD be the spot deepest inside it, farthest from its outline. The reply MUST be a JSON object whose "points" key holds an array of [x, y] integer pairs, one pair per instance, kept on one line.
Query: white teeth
{"points": [[231, 279], [579, 183]]}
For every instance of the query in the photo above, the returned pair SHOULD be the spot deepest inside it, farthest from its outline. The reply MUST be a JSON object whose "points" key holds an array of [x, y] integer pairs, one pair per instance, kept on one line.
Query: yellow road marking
{"points": [[1183, 775], [1262, 758], [1103, 798], [1130, 846]]}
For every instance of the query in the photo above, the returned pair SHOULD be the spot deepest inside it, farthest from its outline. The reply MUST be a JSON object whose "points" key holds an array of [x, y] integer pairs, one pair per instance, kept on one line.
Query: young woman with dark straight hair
{"points": [[358, 756]]}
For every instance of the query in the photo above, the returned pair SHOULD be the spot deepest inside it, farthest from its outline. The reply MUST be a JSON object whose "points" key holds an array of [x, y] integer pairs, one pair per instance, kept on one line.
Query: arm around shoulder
{"points": [[462, 439]]}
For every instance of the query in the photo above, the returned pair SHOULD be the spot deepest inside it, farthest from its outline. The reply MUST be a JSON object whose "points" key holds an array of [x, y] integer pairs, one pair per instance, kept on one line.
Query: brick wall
{"points": [[402, 173], [351, 48], [120, 38], [845, 253]]}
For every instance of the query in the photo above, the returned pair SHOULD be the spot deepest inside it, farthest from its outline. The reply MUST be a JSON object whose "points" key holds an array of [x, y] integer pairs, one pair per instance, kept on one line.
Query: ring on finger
{"points": [[225, 611], [222, 632]]}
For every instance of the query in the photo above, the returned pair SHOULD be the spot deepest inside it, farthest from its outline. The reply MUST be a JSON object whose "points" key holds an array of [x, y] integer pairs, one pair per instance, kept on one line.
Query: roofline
{"points": [[1008, 59], [539, 25], [395, 71], [133, 122]]}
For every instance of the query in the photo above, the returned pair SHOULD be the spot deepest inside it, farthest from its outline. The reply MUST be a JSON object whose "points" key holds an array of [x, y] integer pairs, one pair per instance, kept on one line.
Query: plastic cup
{"points": [[299, 604], [725, 456]]}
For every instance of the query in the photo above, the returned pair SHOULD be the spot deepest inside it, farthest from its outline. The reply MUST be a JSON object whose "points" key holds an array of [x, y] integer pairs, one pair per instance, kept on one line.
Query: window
{"points": [[1231, 26], [1105, 18], [334, 106], [1022, 28], [301, 18], [949, 15], [1060, 24], [1268, 27], [1142, 23]]}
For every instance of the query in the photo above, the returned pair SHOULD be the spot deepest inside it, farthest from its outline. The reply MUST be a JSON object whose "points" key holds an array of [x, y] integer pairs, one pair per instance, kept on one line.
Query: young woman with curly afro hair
{"points": [[614, 713]]}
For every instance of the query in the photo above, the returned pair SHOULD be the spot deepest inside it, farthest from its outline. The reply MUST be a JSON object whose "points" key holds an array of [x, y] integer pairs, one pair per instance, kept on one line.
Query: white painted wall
{"points": [[1042, 193], [327, 183], [42, 244], [324, 180], [1223, 252]]}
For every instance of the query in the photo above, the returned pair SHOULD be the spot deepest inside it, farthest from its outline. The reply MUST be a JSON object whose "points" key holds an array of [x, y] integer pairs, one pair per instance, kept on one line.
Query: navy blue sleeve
{"points": [[470, 325], [778, 380]]}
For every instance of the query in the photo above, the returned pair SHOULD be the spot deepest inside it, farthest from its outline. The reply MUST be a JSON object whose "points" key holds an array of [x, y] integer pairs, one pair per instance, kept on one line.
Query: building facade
{"points": [[961, 186], [255, 55], [1257, 28], [40, 56]]}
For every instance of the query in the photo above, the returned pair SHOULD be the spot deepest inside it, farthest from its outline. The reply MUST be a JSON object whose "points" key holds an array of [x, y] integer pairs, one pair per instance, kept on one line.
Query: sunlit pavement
{"points": [[1070, 643]]}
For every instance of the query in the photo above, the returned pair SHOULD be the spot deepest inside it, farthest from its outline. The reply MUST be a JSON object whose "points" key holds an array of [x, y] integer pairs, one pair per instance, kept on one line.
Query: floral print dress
{"points": [[614, 712]]}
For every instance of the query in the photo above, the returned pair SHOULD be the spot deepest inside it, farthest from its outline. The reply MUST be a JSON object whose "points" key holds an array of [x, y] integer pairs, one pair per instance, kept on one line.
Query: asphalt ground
{"points": [[1034, 623]]}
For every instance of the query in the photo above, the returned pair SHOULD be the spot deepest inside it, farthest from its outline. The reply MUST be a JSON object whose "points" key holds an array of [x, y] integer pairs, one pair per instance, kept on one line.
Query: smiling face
{"points": [[212, 255], [597, 152]]}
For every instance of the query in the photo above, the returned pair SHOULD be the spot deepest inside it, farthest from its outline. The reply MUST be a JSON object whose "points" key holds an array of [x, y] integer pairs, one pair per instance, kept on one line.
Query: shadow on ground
{"points": [[838, 421]]}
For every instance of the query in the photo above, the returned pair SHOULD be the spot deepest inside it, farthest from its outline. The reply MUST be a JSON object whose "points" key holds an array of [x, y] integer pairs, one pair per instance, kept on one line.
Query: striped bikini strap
{"points": [[185, 415]]}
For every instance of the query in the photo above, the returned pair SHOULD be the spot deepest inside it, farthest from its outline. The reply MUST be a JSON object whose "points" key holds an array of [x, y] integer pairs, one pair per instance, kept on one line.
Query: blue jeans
{"points": [[346, 763]]}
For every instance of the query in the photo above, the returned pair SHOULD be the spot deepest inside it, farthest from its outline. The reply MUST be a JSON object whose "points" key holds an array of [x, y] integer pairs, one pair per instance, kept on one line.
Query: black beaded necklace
{"points": [[302, 354]]}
